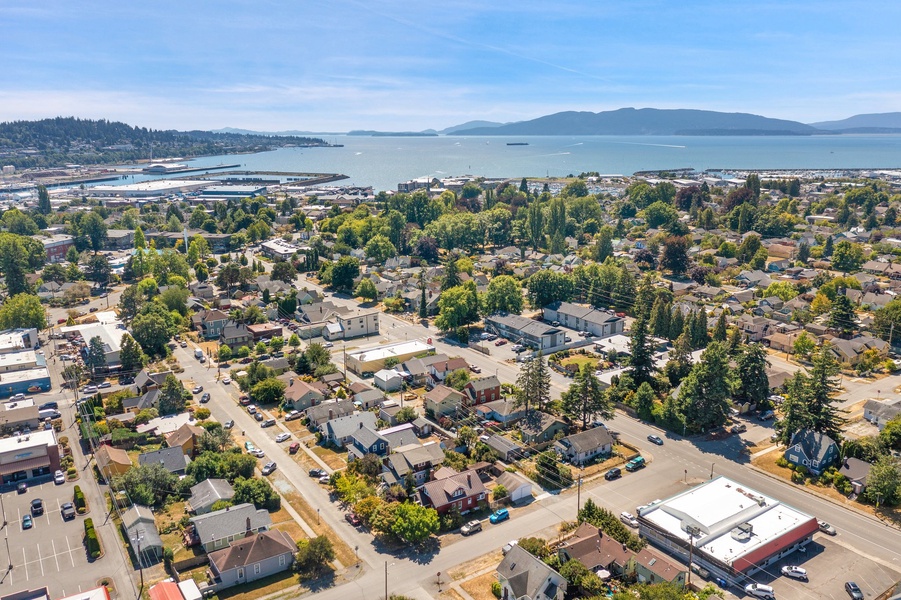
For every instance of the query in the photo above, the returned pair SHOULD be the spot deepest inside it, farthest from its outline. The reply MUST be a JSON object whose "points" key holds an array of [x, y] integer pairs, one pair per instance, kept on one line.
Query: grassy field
{"points": [[344, 553], [580, 359], [335, 460], [480, 587]]}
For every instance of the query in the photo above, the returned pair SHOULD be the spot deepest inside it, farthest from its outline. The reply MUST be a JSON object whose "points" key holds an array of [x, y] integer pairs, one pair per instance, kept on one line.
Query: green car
{"points": [[249, 446]]}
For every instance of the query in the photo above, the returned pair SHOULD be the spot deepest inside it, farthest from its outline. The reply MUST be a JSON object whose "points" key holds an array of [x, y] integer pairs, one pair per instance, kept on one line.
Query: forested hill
{"points": [[65, 140]]}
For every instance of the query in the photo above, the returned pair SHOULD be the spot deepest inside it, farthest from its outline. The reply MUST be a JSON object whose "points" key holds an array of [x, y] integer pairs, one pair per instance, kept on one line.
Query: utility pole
{"points": [[711, 469], [386, 580], [692, 531], [137, 539], [579, 494]]}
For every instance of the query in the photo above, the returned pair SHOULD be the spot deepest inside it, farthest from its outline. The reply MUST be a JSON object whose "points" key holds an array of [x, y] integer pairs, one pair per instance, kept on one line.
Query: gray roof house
{"points": [[582, 447], [173, 460], [539, 429], [880, 412], [504, 448], [139, 525], [251, 558], [815, 451], [416, 461], [322, 413], [146, 381], [504, 411], [218, 529], [856, 471], [339, 431], [207, 493], [523, 576]]}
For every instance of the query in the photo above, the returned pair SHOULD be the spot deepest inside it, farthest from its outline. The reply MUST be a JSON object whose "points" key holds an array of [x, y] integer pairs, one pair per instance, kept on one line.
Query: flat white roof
{"points": [[383, 352], [17, 361], [12, 340], [24, 375], [110, 333], [44, 437], [717, 508]]}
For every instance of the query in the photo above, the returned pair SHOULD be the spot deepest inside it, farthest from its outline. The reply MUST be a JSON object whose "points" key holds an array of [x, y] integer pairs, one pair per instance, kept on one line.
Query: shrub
{"points": [[80, 502], [496, 588], [798, 477], [90, 537], [500, 492], [782, 462], [202, 413], [168, 555], [71, 471]]}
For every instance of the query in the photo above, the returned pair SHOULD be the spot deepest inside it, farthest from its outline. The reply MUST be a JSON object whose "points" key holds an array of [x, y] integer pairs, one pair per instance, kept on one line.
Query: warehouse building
{"points": [[735, 531], [373, 359]]}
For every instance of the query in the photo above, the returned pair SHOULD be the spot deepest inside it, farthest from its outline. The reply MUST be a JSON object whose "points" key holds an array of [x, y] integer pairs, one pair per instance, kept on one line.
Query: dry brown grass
{"points": [[262, 587], [476, 565], [292, 529], [343, 552], [333, 459], [451, 595], [480, 587]]}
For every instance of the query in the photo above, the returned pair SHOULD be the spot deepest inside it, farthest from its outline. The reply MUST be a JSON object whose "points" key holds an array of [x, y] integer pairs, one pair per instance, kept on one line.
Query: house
{"points": [[598, 322], [217, 529], [185, 437], [264, 331], [856, 471], [401, 436], [415, 461], [302, 395], [442, 401], [339, 431], [519, 489], [365, 441], [209, 323], [112, 461], [850, 352], [815, 451], [165, 590], [504, 411], [442, 368], [139, 524], [368, 399], [782, 342], [388, 380], [207, 493], [351, 324], [251, 558], [320, 414], [879, 412], [483, 390], [505, 449], [581, 447], [649, 566], [234, 335], [202, 290], [173, 460], [150, 399], [539, 428], [524, 577], [535, 334], [145, 381], [595, 550], [462, 491], [420, 369]]}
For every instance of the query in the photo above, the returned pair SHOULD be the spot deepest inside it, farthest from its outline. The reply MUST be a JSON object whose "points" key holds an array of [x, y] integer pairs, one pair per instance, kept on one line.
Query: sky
{"points": [[337, 65]]}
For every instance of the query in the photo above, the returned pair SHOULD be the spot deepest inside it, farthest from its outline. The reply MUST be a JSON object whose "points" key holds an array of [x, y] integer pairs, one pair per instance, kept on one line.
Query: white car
{"points": [[795, 572], [327, 345], [629, 519], [509, 546], [227, 380], [282, 437], [59, 478], [257, 452], [758, 590]]}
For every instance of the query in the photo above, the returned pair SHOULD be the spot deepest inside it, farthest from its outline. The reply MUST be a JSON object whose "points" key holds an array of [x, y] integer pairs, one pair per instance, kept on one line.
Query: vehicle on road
{"points": [[49, 406], [183, 344], [198, 353], [61, 321], [59, 478], [248, 445], [91, 389], [229, 424], [758, 590], [93, 309], [37, 507], [197, 389], [226, 380], [475, 368], [68, 511], [613, 473], [327, 345], [282, 437], [202, 359], [251, 409], [267, 423], [353, 519], [795, 572], [501, 514], [317, 472], [853, 590], [104, 385], [655, 439], [471, 527], [27, 522], [269, 468], [500, 342], [766, 415], [205, 398], [325, 479], [636, 463], [826, 528], [739, 428], [244, 400], [127, 380], [629, 519], [509, 546]]}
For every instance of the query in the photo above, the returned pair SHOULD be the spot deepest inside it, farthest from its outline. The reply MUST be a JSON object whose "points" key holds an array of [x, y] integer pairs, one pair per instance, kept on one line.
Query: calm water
{"points": [[383, 162]]}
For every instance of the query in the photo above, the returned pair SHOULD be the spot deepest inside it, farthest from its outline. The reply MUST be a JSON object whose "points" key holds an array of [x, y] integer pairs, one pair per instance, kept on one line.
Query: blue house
{"points": [[365, 441], [814, 451]]}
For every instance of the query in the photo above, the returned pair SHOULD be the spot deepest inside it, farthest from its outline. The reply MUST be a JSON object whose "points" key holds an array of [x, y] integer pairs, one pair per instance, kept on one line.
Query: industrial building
{"points": [[733, 531], [149, 189], [373, 359]]}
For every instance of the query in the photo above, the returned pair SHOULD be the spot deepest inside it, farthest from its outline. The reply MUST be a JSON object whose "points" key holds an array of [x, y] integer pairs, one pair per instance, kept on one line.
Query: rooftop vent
{"points": [[743, 532]]}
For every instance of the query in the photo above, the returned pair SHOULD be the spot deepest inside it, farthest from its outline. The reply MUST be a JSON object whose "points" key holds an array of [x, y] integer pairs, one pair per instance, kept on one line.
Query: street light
{"points": [[138, 539]]}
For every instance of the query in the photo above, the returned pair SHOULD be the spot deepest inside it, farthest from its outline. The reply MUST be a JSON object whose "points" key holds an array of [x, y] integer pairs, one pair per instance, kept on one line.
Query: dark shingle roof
{"points": [[253, 549], [172, 459]]}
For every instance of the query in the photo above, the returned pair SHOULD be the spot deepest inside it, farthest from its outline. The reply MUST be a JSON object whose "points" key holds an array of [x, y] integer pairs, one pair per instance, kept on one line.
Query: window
{"points": [[256, 569], [281, 560], [240, 573]]}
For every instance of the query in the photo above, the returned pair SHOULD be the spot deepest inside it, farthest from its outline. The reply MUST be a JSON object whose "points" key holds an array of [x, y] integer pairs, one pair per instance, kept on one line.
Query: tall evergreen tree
{"points": [[43, 200], [734, 342], [822, 388], [827, 247], [660, 317], [644, 402], [451, 276], [586, 397], [689, 329], [795, 414], [679, 364], [677, 325], [719, 331], [644, 297], [641, 349], [753, 385], [704, 395], [699, 332], [842, 317], [534, 384]]}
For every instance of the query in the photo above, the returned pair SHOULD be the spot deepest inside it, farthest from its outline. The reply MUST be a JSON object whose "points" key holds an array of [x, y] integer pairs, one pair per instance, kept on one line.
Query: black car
{"points": [[205, 398], [126, 380], [37, 507], [22, 488], [853, 590], [613, 473], [49, 406], [317, 472]]}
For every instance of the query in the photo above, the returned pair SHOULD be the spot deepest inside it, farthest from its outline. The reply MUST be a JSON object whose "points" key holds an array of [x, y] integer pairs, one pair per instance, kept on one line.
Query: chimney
{"points": [[331, 414], [361, 425], [290, 382], [248, 528]]}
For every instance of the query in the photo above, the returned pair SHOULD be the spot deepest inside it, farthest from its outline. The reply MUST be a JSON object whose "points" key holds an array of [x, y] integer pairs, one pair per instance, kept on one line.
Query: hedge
{"points": [[90, 538], [80, 502]]}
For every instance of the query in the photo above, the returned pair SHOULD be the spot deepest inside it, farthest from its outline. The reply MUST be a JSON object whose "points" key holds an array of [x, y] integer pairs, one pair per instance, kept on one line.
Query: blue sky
{"points": [[384, 64]]}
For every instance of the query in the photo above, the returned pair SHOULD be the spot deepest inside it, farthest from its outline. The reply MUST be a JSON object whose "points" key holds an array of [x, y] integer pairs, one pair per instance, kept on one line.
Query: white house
{"points": [[387, 380]]}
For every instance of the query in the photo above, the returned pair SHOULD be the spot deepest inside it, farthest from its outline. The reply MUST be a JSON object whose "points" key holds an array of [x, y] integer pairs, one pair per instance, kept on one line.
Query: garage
{"points": [[519, 489]]}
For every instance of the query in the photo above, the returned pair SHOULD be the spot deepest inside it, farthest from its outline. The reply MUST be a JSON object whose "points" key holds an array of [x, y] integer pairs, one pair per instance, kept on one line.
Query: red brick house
{"points": [[480, 391], [460, 490]]}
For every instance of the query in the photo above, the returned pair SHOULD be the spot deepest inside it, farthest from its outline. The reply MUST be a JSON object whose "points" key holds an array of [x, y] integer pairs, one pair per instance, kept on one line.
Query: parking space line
{"points": [[71, 558], [25, 563], [52, 543], [40, 560]]}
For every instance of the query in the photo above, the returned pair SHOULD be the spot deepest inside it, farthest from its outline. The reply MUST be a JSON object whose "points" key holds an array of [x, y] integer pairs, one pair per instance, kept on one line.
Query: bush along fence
{"points": [[92, 542]]}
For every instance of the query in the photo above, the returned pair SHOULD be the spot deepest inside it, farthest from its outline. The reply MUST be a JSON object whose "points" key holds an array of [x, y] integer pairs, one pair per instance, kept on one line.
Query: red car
{"points": [[353, 519], [244, 400], [60, 321], [500, 342]]}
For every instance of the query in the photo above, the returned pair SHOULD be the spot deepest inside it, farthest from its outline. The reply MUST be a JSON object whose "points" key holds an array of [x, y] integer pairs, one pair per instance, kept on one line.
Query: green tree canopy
{"points": [[504, 294]]}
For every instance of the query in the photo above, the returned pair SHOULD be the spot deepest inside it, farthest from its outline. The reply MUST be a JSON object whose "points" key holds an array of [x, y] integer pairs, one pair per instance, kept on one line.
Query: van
{"points": [[635, 464], [198, 353], [48, 414]]}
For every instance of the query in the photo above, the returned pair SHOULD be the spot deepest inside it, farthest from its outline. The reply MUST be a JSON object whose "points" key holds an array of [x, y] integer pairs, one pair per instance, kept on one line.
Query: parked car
{"points": [[475, 368], [613, 473], [268, 468], [244, 400], [317, 472], [853, 590], [485, 336], [229, 424], [655, 439], [59, 478], [292, 415], [37, 507], [325, 479], [826, 528], [226, 380], [758, 590], [501, 514], [293, 448], [104, 385], [246, 360], [259, 416], [509, 546], [183, 344], [22, 488], [629, 519], [205, 398], [517, 348], [49, 406], [766, 415], [197, 389], [471, 527], [500, 342], [68, 511], [267, 423], [27, 522], [93, 309], [636, 463], [282, 437], [795, 572], [327, 345], [251, 409], [353, 519], [91, 389], [739, 428], [127, 380], [257, 452], [248, 445]]}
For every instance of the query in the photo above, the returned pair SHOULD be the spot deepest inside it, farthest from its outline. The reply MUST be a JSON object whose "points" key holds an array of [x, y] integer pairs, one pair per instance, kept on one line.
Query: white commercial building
{"points": [[373, 359]]}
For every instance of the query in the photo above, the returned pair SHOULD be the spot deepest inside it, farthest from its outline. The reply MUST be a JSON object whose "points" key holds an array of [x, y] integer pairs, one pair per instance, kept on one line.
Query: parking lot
{"points": [[51, 552]]}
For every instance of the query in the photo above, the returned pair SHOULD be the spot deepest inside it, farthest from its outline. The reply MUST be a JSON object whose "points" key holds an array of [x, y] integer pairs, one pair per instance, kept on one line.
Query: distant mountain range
{"points": [[642, 121]]}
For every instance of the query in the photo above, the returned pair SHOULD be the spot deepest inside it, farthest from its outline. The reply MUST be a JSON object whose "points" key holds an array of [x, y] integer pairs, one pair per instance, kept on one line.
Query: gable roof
{"points": [[183, 434], [366, 437], [512, 481], [138, 521], [588, 440], [210, 491], [338, 408], [107, 455], [172, 459], [300, 388], [144, 378], [593, 549], [484, 383], [856, 470], [814, 445], [528, 576], [253, 549], [229, 521], [404, 461], [440, 393], [441, 491], [345, 426], [539, 422]]}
